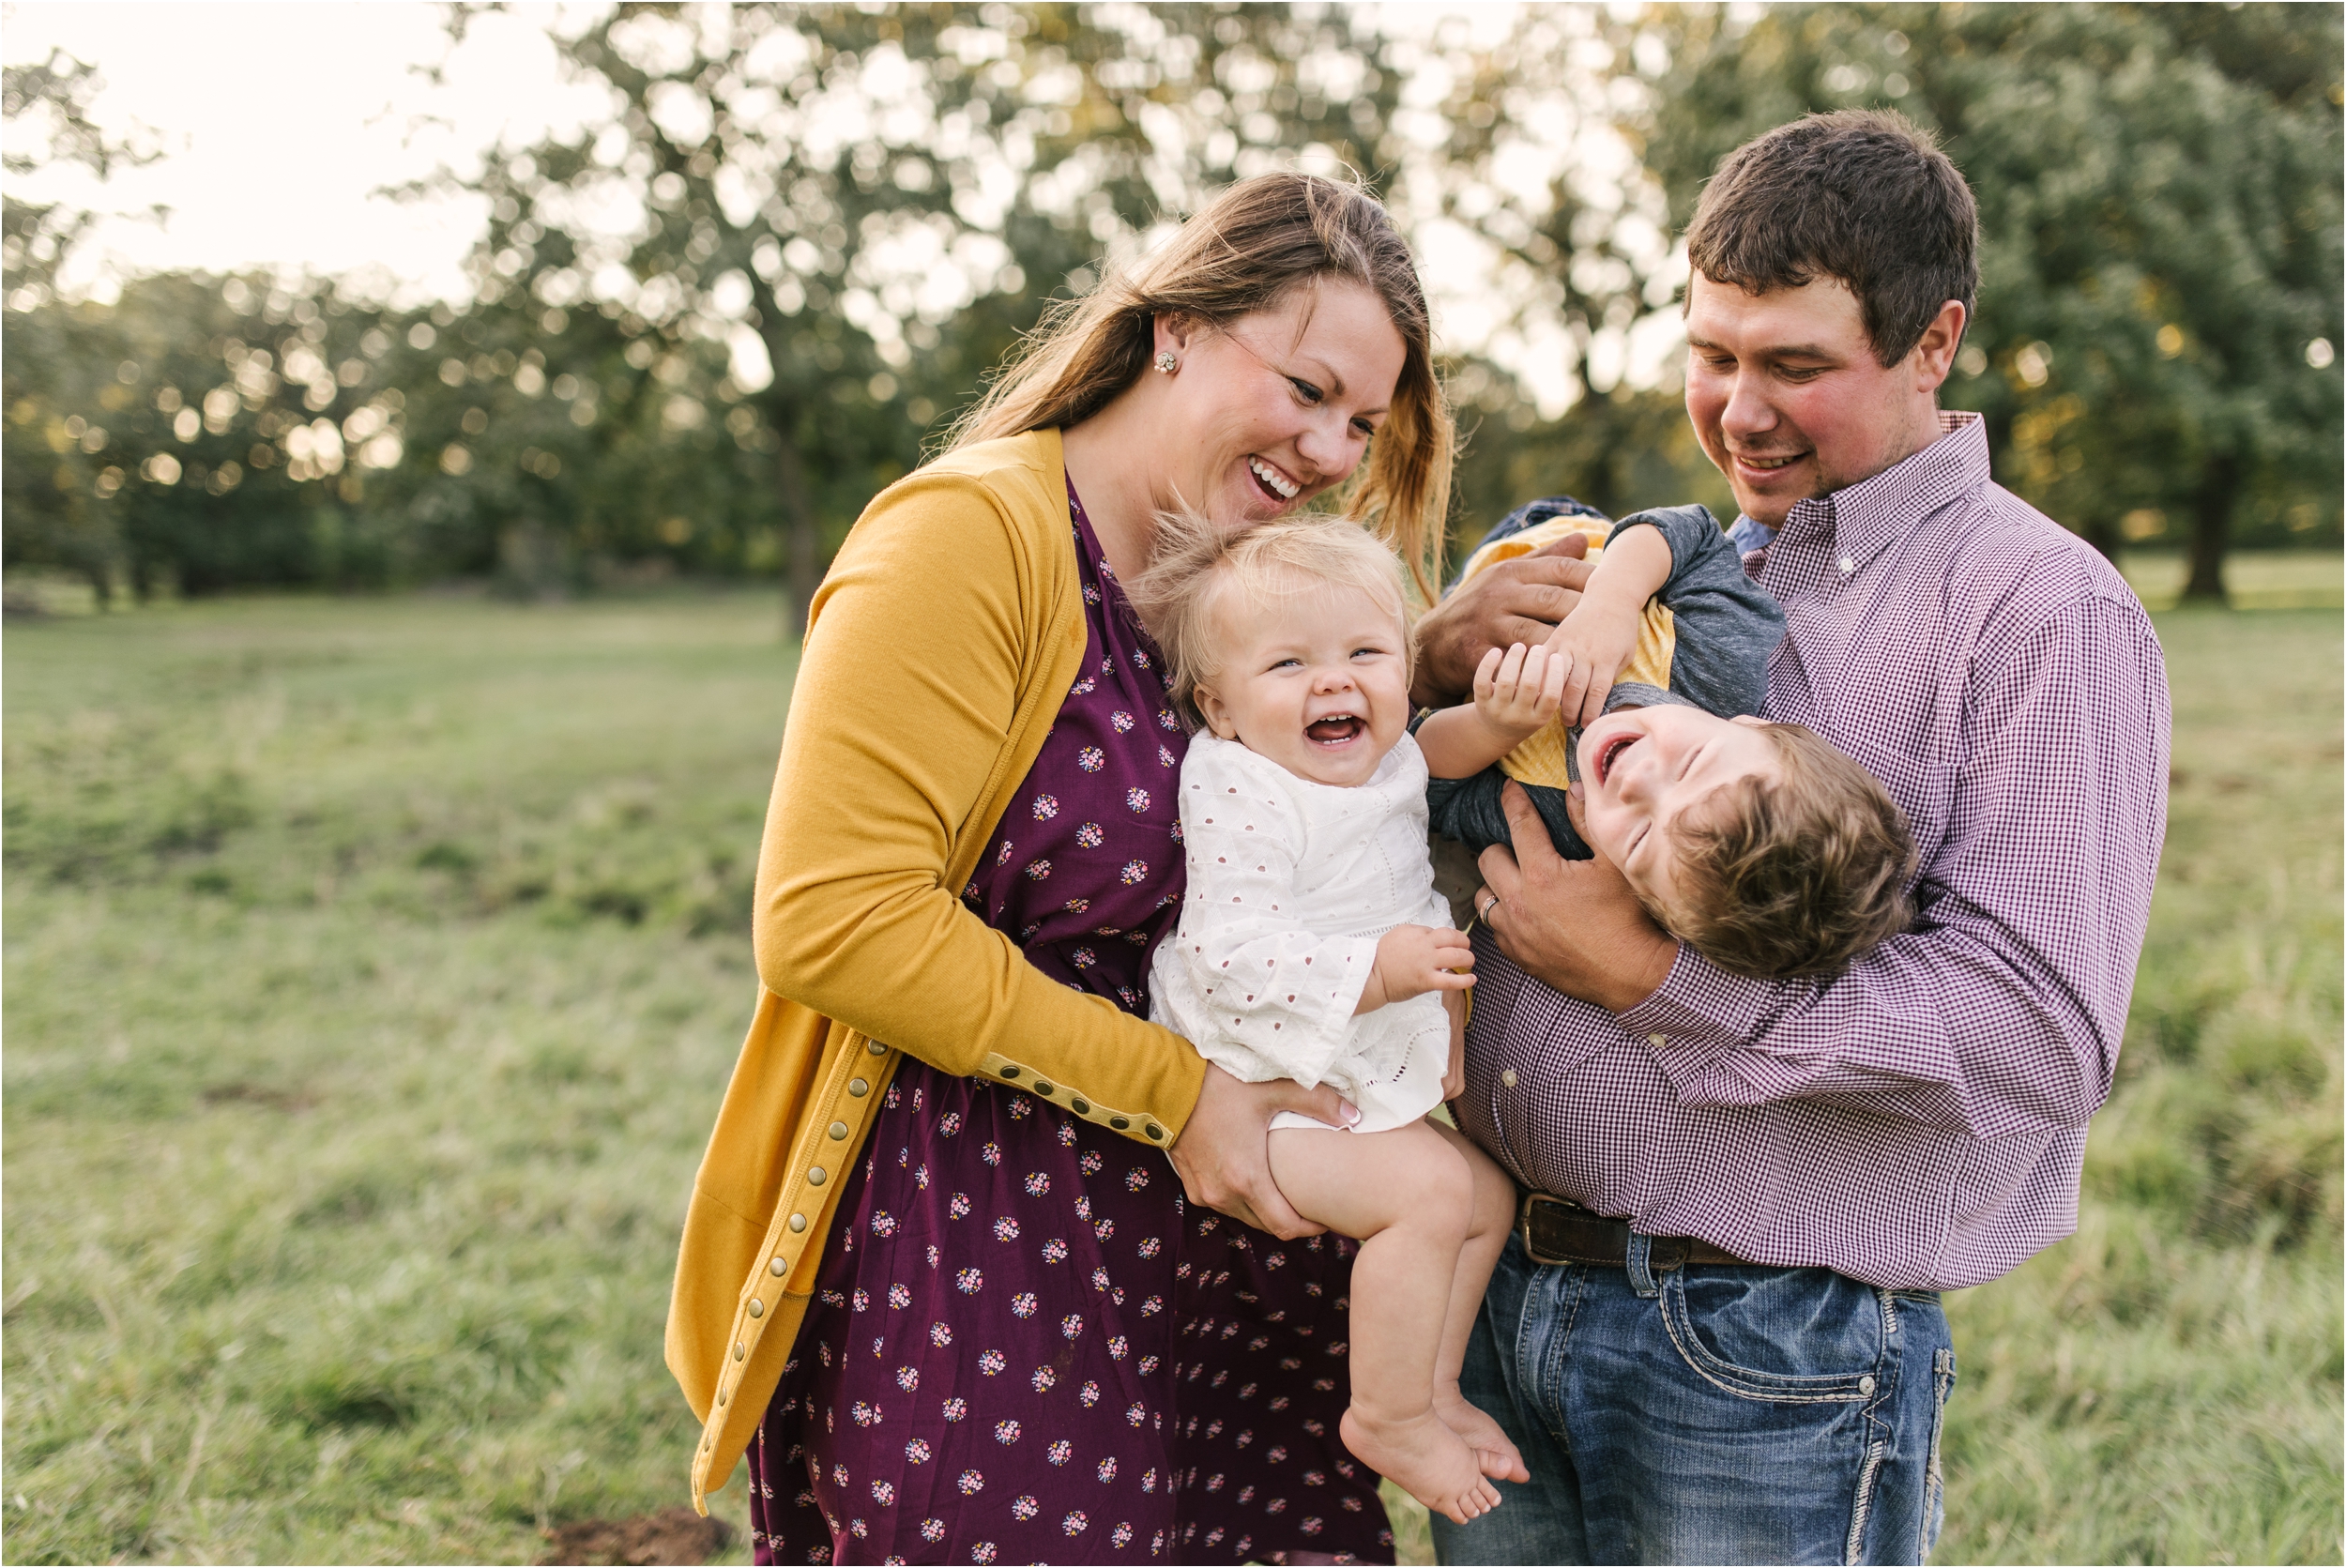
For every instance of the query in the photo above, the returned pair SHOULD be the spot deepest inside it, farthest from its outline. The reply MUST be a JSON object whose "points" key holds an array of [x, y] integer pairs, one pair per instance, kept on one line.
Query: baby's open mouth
{"points": [[1611, 753], [1336, 730]]}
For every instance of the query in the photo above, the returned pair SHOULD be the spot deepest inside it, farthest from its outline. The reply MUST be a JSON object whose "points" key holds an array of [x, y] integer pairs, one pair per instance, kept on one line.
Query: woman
{"points": [[936, 1279]]}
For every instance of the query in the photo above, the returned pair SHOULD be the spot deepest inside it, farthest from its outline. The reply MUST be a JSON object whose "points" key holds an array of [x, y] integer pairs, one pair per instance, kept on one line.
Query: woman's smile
{"points": [[1275, 484]]}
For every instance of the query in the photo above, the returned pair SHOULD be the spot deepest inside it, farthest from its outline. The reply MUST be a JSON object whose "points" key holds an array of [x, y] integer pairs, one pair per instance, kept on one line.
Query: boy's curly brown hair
{"points": [[1797, 875]]}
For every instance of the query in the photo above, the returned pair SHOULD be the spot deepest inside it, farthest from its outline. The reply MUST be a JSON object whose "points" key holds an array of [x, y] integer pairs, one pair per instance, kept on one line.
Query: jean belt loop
{"points": [[1640, 1261]]}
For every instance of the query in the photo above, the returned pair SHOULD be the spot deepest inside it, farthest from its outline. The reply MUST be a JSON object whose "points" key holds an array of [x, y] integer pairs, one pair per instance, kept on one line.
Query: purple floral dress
{"points": [[1022, 1347]]}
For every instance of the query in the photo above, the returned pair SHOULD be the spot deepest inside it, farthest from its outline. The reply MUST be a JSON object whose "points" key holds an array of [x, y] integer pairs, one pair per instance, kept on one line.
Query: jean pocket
{"points": [[1784, 1335]]}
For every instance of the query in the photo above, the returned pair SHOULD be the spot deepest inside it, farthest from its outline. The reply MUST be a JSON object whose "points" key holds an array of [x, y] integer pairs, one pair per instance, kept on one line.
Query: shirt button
{"points": [[1864, 1385], [1848, 565], [1508, 1077], [1657, 1039]]}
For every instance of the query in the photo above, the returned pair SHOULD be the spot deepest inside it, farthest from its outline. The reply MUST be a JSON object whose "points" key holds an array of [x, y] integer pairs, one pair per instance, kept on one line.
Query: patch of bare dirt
{"points": [[675, 1535]]}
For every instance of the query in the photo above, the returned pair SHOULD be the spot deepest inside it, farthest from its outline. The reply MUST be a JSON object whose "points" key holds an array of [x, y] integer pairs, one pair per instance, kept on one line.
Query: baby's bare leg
{"points": [[1407, 1197], [1494, 1216]]}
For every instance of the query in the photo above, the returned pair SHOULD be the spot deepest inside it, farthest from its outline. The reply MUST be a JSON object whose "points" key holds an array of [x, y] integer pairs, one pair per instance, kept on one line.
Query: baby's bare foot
{"points": [[1499, 1457], [1424, 1459]]}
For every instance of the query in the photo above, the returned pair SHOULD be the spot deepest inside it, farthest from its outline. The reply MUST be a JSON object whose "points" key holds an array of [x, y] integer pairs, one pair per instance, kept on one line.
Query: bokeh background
{"points": [[422, 428]]}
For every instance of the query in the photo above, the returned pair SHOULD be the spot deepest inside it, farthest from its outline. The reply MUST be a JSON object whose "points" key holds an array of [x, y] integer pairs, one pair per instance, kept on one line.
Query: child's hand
{"points": [[1413, 960], [1453, 1077], [1593, 642], [1517, 692]]}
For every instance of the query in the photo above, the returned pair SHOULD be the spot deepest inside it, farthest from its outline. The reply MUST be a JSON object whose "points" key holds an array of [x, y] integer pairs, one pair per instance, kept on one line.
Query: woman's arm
{"points": [[906, 697]]}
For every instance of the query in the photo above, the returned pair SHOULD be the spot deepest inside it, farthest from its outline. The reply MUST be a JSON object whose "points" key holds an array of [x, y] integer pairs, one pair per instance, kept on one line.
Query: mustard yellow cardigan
{"points": [[937, 652]]}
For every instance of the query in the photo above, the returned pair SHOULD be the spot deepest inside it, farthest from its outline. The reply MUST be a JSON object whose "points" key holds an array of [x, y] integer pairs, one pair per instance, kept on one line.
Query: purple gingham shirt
{"points": [[1919, 1122]]}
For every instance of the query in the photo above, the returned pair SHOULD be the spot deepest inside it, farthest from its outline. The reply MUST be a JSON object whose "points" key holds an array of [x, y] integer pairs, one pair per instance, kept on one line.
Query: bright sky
{"points": [[282, 120]]}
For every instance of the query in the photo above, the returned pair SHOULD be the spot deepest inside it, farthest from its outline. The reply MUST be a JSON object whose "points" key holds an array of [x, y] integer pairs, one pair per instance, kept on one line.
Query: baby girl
{"points": [[1312, 945]]}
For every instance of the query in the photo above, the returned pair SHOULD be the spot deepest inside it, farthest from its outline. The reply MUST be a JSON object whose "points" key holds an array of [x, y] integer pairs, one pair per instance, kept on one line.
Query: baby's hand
{"points": [[1516, 693], [1413, 960], [1593, 642]]}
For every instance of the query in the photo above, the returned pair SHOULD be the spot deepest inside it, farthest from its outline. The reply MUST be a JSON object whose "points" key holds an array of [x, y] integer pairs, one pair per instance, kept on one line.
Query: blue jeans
{"points": [[1707, 1415]]}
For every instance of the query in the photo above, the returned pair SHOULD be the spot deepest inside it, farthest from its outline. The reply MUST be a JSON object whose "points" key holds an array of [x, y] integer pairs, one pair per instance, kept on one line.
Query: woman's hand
{"points": [[1521, 601], [1223, 1155]]}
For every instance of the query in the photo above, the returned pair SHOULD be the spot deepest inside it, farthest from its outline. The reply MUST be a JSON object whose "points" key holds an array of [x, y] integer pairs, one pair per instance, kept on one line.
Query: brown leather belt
{"points": [[1556, 1231]]}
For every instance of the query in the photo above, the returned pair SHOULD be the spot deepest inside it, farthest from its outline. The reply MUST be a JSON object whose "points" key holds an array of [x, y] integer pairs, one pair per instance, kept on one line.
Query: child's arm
{"points": [[1728, 625], [1516, 694], [1600, 635]]}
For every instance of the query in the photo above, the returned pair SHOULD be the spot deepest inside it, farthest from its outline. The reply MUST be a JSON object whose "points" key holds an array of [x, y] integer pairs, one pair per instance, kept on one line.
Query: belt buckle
{"points": [[1523, 1227]]}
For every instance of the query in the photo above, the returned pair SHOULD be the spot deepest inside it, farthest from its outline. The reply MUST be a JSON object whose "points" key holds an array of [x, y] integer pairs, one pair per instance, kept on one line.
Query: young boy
{"points": [[1774, 855]]}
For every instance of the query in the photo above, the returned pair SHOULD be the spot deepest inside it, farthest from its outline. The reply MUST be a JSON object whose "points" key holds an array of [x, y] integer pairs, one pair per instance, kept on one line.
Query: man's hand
{"points": [[1516, 602], [1413, 960], [1223, 1155], [1571, 925]]}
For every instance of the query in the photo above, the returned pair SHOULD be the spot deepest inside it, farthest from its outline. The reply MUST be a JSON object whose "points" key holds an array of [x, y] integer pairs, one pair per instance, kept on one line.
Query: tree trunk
{"points": [[2211, 528], [798, 518]]}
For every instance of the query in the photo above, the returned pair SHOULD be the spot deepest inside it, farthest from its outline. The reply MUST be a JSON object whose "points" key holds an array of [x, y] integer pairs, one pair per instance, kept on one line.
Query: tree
{"points": [[2160, 210], [821, 190]]}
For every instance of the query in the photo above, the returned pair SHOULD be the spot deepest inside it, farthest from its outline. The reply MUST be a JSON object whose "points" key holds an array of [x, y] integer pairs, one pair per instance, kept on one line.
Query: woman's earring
{"points": [[1166, 363]]}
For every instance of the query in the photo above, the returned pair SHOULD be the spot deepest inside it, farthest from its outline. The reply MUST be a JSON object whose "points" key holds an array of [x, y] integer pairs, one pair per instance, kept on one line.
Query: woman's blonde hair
{"points": [[1199, 566], [1242, 253]]}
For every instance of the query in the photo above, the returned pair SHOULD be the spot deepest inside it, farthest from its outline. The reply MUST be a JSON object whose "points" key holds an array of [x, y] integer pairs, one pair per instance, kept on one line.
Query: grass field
{"points": [[374, 966]]}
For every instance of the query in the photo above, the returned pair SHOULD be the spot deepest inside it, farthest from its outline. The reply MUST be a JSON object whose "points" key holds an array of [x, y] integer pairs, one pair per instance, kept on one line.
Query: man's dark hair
{"points": [[1863, 195]]}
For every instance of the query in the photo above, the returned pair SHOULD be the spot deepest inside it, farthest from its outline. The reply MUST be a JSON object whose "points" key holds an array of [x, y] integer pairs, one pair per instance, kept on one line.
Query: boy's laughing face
{"points": [[1644, 768]]}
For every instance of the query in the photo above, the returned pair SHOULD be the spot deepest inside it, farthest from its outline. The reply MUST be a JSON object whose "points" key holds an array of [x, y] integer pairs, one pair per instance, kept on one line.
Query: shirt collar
{"points": [[1863, 519]]}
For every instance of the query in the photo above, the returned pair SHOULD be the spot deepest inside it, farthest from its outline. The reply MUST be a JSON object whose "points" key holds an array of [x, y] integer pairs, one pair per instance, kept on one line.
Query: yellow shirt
{"points": [[1542, 759], [937, 652]]}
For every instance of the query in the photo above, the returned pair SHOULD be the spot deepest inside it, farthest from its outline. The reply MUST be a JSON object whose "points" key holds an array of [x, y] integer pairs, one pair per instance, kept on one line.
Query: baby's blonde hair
{"points": [[1197, 566]]}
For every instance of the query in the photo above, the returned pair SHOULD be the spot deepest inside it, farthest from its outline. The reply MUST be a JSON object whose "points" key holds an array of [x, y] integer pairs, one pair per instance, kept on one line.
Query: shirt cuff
{"points": [[1699, 1014]]}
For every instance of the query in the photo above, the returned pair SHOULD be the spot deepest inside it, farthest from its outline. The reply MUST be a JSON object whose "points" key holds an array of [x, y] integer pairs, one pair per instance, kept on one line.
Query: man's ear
{"points": [[1215, 712], [1934, 351]]}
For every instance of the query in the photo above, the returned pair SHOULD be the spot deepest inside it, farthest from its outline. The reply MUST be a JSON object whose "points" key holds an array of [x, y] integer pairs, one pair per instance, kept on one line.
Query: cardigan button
{"points": [[1009, 1072], [778, 1268], [838, 1130], [739, 1350], [817, 1175], [1155, 1132], [858, 1088], [876, 1048], [798, 1222], [1120, 1122], [1081, 1107], [757, 1308], [720, 1396], [1041, 1087]]}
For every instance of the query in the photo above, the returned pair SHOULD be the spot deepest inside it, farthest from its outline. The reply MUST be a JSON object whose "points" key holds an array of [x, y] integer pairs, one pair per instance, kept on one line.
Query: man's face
{"points": [[1787, 399]]}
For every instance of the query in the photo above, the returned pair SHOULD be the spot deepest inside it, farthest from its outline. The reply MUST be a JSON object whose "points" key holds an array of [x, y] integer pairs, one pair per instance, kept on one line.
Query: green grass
{"points": [[373, 969]]}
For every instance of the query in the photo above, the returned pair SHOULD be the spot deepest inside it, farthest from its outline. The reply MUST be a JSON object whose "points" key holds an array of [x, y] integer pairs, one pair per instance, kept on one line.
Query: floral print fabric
{"points": [[1023, 1348]]}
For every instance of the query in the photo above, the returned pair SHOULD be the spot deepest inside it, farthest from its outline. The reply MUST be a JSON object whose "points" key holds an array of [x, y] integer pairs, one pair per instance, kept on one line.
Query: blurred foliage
{"points": [[706, 326], [2159, 311]]}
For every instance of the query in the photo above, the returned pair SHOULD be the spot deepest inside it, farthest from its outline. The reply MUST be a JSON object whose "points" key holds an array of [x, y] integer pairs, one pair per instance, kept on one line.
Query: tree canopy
{"points": [[2159, 209], [708, 325]]}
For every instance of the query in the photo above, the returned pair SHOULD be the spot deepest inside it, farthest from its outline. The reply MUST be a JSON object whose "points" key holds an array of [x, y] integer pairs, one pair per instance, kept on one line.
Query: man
{"points": [[1716, 1335]]}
